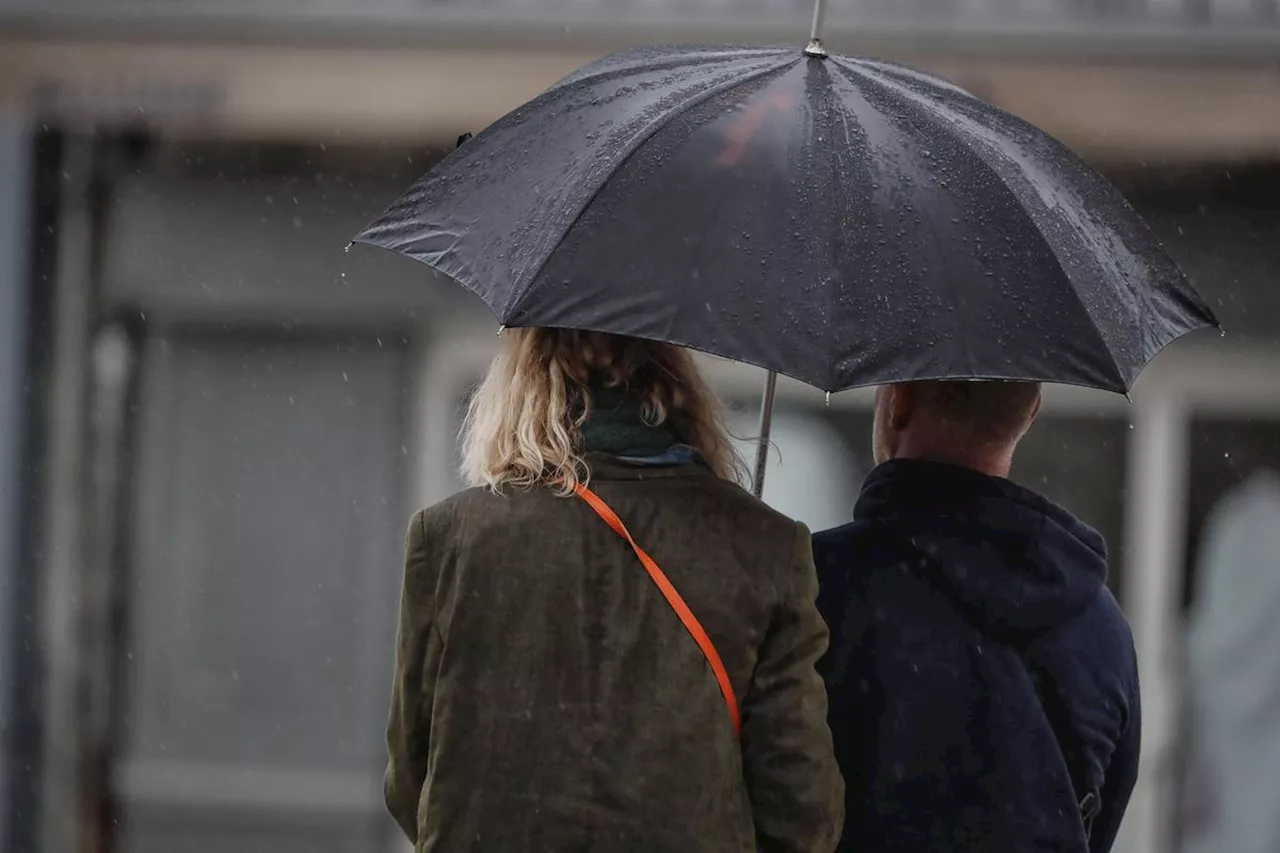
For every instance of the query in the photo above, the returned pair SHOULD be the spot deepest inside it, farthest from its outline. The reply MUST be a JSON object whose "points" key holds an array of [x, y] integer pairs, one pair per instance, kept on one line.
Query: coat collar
{"points": [[608, 468]]}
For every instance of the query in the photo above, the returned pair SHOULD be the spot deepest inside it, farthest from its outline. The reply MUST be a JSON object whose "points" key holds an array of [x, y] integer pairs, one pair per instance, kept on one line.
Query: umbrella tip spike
{"points": [[347, 248], [828, 399], [815, 49], [501, 329]]}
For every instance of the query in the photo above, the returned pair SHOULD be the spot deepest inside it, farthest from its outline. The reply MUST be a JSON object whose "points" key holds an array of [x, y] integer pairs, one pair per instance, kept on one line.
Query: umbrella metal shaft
{"points": [[766, 422], [815, 48], [815, 32]]}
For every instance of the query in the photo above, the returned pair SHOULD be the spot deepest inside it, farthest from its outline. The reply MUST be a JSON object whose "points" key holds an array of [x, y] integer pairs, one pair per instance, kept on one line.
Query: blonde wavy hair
{"points": [[523, 423]]}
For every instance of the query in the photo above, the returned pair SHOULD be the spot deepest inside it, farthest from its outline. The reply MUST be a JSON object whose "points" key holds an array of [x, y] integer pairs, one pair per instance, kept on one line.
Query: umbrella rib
{"points": [[644, 137], [931, 114], [831, 324], [704, 56], [955, 323]]}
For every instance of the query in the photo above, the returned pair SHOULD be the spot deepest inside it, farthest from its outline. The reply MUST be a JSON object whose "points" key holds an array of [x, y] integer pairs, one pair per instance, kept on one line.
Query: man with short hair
{"points": [[981, 679]]}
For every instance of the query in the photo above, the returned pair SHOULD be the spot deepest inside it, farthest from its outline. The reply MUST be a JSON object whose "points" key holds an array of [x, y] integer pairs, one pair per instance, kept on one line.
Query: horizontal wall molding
{"points": [[1131, 111]]}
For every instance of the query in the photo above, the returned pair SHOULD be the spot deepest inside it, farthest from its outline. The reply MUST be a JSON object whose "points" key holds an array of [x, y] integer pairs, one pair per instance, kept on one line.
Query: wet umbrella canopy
{"points": [[843, 221]]}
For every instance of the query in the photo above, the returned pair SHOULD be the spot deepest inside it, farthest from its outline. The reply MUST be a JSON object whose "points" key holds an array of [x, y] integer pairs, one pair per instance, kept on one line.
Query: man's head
{"points": [[973, 424]]}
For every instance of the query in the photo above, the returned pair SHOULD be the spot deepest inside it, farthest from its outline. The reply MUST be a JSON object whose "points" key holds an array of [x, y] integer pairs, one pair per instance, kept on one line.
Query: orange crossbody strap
{"points": [[673, 598]]}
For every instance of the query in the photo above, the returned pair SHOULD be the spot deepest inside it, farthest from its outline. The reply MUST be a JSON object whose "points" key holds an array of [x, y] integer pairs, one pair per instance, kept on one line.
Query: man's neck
{"points": [[993, 463]]}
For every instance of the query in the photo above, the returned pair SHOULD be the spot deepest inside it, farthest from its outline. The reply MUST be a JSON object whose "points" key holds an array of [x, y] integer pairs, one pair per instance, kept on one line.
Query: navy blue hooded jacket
{"points": [[982, 682]]}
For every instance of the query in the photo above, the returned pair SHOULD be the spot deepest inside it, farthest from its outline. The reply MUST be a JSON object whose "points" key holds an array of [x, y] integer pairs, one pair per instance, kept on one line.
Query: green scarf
{"points": [[617, 427]]}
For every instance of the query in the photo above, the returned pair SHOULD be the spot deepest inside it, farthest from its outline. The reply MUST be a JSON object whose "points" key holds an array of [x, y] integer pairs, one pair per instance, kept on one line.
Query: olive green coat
{"points": [[547, 698]]}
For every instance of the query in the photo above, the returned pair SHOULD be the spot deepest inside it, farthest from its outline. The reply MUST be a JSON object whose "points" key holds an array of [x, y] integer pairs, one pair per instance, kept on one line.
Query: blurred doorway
{"points": [[267, 507], [264, 587], [1230, 745], [1205, 420]]}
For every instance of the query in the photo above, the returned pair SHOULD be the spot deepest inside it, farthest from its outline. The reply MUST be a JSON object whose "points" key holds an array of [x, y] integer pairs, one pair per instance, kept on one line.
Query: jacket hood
{"points": [[1012, 560]]}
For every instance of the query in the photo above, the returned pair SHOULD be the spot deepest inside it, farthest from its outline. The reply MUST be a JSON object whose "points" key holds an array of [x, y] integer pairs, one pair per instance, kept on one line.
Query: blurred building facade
{"points": [[214, 423]]}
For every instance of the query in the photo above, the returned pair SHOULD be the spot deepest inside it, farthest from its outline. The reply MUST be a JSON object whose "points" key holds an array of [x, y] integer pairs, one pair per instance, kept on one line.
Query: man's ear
{"points": [[1030, 418], [903, 400]]}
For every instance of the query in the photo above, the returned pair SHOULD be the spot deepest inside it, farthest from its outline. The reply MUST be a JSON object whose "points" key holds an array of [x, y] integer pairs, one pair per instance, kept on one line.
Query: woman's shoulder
{"points": [[461, 503], [742, 503], [473, 503]]}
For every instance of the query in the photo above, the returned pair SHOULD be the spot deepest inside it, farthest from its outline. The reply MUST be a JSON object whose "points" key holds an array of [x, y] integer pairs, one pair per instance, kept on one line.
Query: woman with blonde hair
{"points": [[606, 644]]}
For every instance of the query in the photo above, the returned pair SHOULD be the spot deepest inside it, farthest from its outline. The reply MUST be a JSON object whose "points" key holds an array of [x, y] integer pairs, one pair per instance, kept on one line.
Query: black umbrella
{"points": [[844, 221]]}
